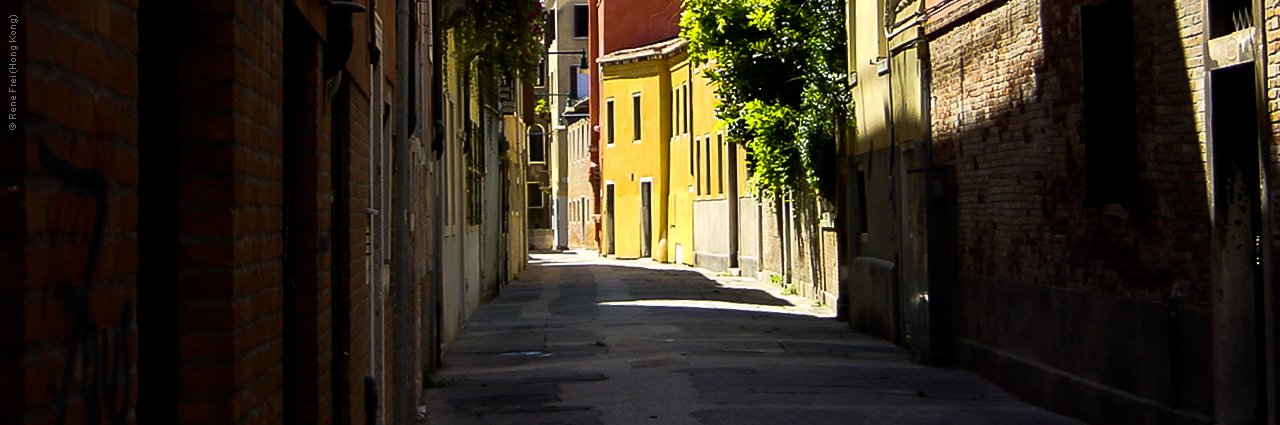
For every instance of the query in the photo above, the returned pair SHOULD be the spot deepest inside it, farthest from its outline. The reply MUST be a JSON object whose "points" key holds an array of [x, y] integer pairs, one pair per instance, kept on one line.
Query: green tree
{"points": [[504, 35], [780, 69]]}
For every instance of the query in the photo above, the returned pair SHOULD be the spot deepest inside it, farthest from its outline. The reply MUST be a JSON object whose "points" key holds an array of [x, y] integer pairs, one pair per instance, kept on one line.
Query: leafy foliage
{"points": [[779, 68], [505, 35]]}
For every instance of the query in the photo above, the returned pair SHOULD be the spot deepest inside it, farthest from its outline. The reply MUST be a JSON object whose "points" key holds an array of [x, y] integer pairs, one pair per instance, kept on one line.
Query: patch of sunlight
{"points": [[722, 305]]}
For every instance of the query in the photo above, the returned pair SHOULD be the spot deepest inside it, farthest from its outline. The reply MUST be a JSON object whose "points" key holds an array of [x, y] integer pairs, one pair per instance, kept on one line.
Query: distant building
{"points": [[568, 81], [583, 219], [615, 25], [636, 149]]}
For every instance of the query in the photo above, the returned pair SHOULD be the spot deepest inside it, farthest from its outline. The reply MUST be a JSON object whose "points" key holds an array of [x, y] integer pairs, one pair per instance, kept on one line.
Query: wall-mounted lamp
{"points": [[341, 37], [581, 64]]}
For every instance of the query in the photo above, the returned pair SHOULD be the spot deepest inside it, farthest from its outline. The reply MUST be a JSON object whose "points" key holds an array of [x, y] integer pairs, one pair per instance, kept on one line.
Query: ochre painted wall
{"points": [[680, 234], [628, 162]]}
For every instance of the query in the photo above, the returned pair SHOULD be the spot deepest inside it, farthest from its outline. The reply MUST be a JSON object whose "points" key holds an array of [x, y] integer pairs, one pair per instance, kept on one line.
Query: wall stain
{"points": [[97, 361]]}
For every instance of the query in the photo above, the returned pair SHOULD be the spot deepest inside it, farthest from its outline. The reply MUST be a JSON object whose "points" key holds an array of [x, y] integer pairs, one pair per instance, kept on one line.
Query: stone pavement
{"points": [[585, 340]]}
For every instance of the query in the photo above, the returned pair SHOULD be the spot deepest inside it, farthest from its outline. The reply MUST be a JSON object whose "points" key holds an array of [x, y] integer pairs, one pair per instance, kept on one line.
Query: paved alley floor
{"points": [[585, 340]]}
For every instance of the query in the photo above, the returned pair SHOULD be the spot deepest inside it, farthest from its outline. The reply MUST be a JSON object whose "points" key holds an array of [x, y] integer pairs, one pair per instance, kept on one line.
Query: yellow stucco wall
{"points": [[680, 234], [713, 150], [628, 162], [890, 103], [701, 155]]}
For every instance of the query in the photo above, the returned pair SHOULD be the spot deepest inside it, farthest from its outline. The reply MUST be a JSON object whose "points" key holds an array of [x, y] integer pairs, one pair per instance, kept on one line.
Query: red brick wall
{"points": [[68, 241], [230, 208], [313, 199], [634, 23], [1035, 263], [354, 283], [68, 213], [814, 262], [1007, 114]]}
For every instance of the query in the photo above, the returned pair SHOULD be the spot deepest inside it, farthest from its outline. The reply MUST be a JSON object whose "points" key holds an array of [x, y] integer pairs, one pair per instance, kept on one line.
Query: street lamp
{"points": [[582, 64]]}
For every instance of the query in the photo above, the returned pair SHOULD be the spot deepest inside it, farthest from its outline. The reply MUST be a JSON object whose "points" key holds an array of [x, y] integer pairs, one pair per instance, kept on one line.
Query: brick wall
{"points": [[68, 247], [1007, 114], [354, 288], [1035, 263], [1271, 49], [814, 261], [230, 212], [810, 255]]}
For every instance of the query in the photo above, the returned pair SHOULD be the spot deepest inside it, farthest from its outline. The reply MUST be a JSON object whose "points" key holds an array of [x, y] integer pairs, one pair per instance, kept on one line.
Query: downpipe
{"points": [[403, 405]]}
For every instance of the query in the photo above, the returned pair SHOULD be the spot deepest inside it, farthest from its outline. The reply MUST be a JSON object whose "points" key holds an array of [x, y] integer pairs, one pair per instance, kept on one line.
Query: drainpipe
{"points": [[403, 406], [437, 208]]}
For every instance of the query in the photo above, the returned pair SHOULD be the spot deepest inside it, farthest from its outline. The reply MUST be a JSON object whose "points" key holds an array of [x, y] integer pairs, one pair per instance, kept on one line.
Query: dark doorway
{"points": [[340, 223], [299, 55], [1237, 304], [608, 220], [158, 306], [646, 219]]}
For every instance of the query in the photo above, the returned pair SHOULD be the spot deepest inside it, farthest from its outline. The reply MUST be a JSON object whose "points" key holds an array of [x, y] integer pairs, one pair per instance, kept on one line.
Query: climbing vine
{"points": [[780, 70], [503, 35]]}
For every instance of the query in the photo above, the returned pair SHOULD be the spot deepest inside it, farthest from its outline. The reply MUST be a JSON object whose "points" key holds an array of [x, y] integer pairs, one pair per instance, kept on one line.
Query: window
{"points": [[675, 111], [1110, 120], [862, 199], [609, 120], [635, 116], [708, 150], [579, 83], [679, 110], [549, 32], [688, 110], [720, 161], [580, 23], [541, 79], [582, 82], [693, 146], [535, 196], [697, 163], [537, 147]]}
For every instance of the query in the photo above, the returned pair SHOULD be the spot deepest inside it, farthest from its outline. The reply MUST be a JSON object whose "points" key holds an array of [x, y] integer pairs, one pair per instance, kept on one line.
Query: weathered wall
{"points": [[1270, 30], [814, 257], [583, 218], [711, 234], [1007, 113], [749, 236], [633, 23], [262, 291], [795, 245], [69, 207]]}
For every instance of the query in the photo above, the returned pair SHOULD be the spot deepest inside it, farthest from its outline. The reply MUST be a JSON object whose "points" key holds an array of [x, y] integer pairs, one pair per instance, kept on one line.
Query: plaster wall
{"points": [[628, 161]]}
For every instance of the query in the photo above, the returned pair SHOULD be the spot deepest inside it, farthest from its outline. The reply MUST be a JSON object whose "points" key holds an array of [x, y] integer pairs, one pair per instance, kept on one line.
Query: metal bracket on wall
{"points": [[1231, 49]]}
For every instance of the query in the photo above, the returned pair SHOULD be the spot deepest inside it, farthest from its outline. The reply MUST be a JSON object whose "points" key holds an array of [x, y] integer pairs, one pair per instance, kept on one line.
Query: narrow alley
{"points": [[581, 339]]}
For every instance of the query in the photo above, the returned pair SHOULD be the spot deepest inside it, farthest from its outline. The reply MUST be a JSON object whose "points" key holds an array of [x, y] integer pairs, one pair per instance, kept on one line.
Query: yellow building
{"points": [[673, 185], [636, 135], [681, 174]]}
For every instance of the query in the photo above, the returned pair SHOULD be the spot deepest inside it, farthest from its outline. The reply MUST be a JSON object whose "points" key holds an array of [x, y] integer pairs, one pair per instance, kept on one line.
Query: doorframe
{"points": [[610, 203], [646, 216], [1231, 379]]}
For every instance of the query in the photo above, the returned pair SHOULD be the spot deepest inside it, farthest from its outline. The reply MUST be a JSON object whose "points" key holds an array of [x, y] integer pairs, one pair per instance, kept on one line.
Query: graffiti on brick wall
{"points": [[97, 360]]}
